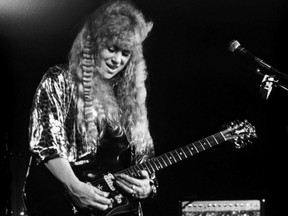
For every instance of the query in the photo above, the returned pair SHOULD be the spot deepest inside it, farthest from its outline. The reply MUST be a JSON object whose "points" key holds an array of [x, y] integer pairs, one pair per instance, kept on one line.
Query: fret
{"points": [[138, 170], [210, 140], [207, 142], [190, 152], [153, 162], [165, 165], [186, 151], [177, 155], [193, 149], [143, 166], [134, 170], [127, 171], [149, 165], [220, 137], [156, 162], [201, 145], [168, 159], [171, 157], [186, 156], [181, 153], [215, 139]]}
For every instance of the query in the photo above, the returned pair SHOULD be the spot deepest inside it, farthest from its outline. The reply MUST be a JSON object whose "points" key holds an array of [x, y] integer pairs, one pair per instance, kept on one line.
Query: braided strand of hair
{"points": [[87, 69]]}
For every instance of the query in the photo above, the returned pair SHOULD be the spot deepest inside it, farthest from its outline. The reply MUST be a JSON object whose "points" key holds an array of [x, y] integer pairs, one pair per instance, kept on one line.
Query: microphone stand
{"points": [[269, 81]]}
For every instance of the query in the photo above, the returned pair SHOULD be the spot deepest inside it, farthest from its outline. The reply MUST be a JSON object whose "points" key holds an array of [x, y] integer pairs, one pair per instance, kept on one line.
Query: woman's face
{"points": [[112, 60]]}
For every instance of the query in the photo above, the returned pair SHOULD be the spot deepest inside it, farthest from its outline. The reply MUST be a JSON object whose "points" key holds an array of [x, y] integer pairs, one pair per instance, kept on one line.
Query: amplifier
{"points": [[221, 208]]}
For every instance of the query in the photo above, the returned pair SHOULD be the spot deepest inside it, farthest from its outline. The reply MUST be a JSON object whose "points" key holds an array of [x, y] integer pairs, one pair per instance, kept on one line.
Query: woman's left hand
{"points": [[139, 188]]}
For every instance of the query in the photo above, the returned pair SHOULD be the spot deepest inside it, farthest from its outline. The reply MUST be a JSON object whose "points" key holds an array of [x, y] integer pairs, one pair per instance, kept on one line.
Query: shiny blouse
{"points": [[53, 130]]}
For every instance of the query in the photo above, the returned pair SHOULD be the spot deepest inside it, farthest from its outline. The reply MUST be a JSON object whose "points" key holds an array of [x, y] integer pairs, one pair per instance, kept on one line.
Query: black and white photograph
{"points": [[144, 108]]}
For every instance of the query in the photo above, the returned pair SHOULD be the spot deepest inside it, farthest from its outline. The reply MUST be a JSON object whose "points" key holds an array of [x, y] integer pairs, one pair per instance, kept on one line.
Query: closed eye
{"points": [[126, 53], [111, 49]]}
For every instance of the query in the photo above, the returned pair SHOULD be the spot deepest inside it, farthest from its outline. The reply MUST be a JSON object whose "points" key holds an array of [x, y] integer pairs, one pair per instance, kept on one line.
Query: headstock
{"points": [[240, 133]]}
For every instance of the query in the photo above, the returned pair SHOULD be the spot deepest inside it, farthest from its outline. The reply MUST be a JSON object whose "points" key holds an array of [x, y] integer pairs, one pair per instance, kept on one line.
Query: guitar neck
{"points": [[175, 156]]}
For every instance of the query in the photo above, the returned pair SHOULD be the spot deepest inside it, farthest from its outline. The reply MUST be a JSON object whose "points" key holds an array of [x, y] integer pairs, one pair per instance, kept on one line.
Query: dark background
{"points": [[196, 85]]}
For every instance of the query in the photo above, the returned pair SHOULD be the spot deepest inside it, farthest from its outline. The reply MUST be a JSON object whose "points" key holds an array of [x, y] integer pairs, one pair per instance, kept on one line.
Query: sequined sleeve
{"points": [[46, 130]]}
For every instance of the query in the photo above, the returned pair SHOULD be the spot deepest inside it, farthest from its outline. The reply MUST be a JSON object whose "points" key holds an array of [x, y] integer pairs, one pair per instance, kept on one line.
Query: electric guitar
{"points": [[47, 191]]}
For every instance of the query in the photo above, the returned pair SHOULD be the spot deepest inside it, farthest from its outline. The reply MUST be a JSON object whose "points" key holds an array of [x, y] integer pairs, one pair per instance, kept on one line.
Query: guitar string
{"points": [[180, 153], [156, 167]]}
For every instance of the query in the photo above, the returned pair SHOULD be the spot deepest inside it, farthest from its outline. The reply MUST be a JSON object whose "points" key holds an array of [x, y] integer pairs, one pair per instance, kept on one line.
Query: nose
{"points": [[116, 59]]}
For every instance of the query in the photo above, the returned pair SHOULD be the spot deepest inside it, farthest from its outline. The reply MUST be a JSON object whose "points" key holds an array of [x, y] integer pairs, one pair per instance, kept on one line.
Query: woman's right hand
{"points": [[85, 195]]}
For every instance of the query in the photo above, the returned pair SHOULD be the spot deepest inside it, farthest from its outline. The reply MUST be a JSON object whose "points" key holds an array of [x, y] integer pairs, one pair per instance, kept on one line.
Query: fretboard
{"points": [[177, 155]]}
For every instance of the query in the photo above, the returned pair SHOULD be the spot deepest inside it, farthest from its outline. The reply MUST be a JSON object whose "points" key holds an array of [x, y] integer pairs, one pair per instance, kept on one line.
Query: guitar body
{"points": [[45, 195]]}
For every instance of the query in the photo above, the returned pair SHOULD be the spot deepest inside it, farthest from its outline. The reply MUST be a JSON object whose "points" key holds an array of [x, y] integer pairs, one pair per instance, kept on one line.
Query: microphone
{"points": [[269, 80], [235, 46]]}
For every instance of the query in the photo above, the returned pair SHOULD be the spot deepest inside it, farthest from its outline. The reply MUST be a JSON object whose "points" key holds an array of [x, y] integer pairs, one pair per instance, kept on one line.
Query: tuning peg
{"points": [[230, 125], [241, 143]]}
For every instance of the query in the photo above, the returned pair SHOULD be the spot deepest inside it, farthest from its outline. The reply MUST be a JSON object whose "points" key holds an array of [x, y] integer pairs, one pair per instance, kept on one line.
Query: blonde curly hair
{"points": [[121, 100]]}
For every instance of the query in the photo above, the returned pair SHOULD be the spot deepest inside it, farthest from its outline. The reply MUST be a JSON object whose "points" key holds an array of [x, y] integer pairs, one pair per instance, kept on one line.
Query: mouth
{"points": [[112, 67]]}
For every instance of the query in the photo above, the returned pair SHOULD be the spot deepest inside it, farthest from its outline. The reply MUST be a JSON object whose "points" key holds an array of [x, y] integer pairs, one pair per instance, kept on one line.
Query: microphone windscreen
{"points": [[233, 45]]}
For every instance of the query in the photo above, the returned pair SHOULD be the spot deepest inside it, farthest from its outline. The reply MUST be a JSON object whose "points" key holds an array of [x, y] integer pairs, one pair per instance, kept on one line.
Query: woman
{"points": [[86, 114]]}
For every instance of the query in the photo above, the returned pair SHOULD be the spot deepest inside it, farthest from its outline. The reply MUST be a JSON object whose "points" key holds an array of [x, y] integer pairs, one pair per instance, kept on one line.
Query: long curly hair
{"points": [[120, 101]]}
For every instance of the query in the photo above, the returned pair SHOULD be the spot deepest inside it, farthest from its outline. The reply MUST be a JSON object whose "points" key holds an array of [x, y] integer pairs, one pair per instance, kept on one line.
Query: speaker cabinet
{"points": [[221, 207]]}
